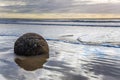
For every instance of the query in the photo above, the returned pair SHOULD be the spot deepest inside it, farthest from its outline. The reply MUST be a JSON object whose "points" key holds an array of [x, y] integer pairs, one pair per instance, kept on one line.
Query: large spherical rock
{"points": [[31, 44]]}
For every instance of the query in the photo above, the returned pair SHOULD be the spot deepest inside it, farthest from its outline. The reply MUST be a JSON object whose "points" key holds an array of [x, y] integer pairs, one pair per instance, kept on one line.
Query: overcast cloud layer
{"points": [[59, 6]]}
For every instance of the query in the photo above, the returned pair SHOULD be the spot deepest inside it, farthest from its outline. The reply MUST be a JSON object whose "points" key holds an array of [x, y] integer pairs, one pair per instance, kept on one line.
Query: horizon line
{"points": [[59, 16]]}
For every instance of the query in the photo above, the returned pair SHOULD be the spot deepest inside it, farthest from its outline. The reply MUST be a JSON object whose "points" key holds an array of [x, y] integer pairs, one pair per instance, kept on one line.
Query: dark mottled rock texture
{"points": [[30, 44]]}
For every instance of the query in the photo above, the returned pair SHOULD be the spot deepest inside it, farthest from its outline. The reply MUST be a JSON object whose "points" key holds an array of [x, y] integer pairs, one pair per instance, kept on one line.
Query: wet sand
{"points": [[69, 58]]}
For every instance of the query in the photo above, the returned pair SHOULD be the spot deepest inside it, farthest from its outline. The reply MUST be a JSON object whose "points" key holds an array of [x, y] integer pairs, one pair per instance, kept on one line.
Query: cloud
{"points": [[102, 1], [11, 3], [59, 6]]}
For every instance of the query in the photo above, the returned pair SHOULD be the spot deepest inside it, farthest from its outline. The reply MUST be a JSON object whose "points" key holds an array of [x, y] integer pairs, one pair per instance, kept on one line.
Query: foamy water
{"points": [[77, 52]]}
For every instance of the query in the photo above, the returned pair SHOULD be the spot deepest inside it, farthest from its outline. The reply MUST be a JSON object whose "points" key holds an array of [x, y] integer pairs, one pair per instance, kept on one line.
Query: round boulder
{"points": [[31, 44]]}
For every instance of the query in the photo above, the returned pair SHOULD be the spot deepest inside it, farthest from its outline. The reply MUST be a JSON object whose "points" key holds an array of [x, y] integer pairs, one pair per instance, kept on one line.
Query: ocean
{"points": [[82, 49]]}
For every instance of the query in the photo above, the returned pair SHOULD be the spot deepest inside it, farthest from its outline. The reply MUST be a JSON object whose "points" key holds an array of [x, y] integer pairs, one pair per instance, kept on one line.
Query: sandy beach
{"points": [[76, 52]]}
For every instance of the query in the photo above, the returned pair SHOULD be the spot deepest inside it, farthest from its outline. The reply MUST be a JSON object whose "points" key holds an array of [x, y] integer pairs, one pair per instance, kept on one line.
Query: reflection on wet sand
{"points": [[31, 63]]}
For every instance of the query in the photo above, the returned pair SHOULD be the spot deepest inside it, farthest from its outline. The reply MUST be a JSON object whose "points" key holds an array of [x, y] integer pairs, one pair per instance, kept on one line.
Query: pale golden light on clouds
{"points": [[58, 16]]}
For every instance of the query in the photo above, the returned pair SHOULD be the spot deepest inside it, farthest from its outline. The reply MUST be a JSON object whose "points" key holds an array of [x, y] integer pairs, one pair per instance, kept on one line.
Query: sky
{"points": [[60, 6]]}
